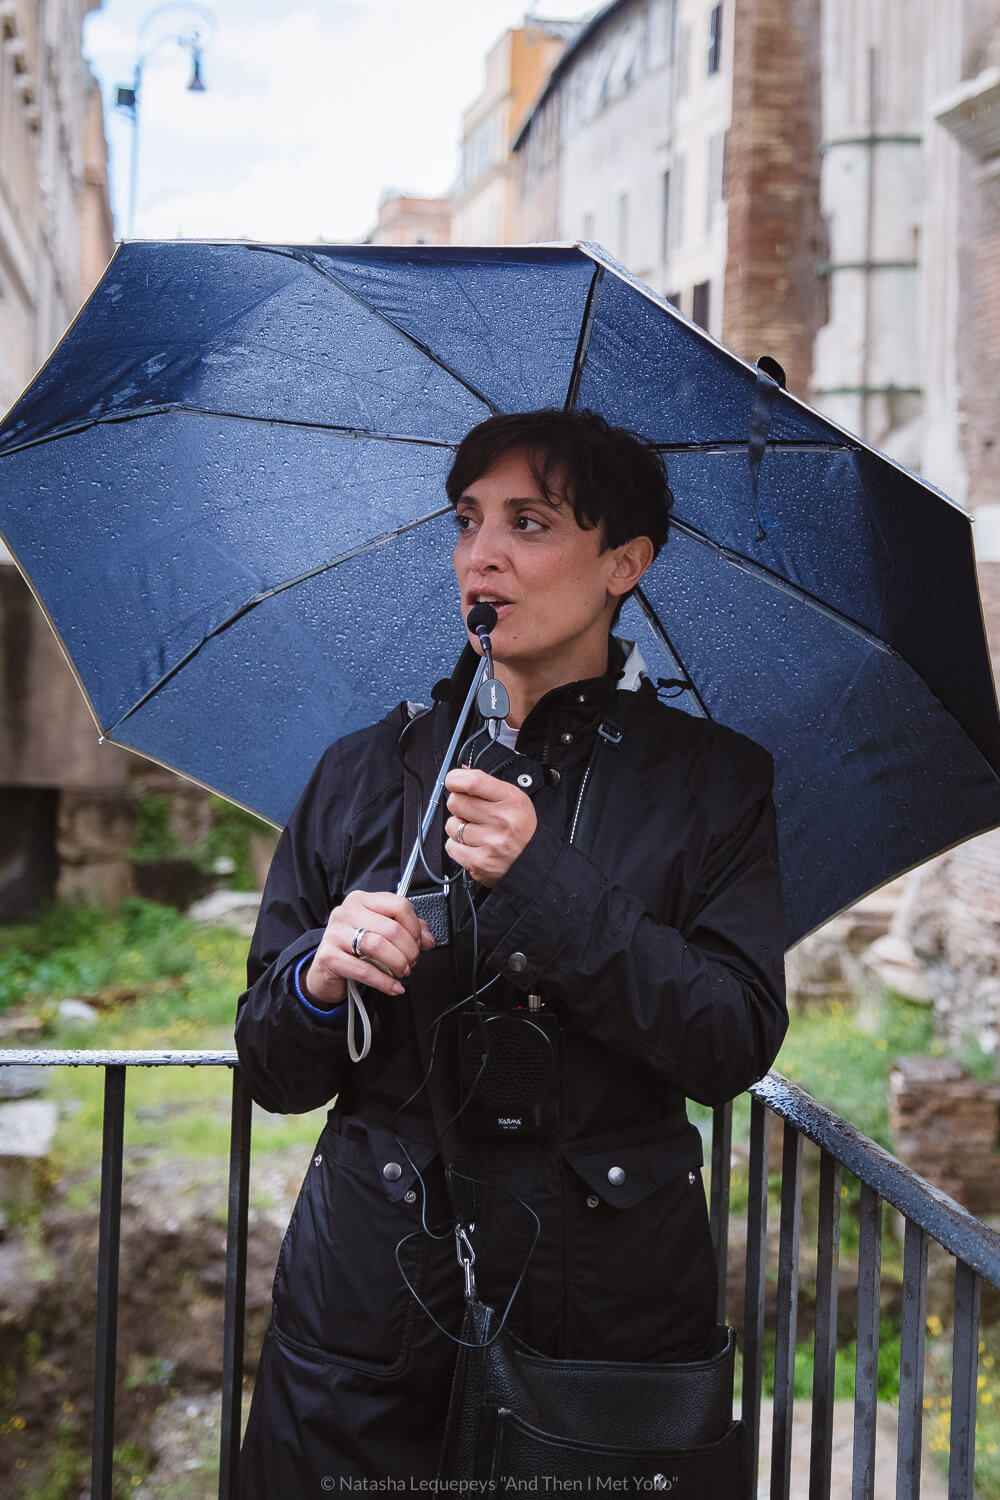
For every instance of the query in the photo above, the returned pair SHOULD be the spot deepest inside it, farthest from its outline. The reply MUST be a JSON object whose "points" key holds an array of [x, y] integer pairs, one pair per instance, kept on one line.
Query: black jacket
{"points": [[661, 951]]}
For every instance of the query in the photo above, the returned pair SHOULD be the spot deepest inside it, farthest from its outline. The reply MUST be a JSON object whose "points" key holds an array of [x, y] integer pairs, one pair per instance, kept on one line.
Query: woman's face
{"points": [[544, 574]]}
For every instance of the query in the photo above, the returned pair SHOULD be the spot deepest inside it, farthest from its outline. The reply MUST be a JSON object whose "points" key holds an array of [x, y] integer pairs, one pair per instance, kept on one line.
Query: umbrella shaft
{"points": [[425, 826]]}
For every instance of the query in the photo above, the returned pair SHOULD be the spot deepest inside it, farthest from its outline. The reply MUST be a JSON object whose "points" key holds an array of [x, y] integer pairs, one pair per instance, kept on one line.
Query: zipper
{"points": [[607, 733], [583, 788]]}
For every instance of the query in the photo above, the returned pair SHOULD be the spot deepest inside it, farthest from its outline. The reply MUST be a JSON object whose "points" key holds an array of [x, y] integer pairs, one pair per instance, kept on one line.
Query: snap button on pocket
{"points": [[517, 963], [409, 1196], [616, 1176], [592, 1200], [392, 1171]]}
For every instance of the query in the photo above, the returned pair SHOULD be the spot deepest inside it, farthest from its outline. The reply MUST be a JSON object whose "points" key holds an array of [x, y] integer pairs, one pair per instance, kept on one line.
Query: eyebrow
{"points": [[511, 503]]}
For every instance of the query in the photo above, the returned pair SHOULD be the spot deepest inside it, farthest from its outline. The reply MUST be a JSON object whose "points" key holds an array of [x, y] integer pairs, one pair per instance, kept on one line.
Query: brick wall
{"points": [[773, 295]]}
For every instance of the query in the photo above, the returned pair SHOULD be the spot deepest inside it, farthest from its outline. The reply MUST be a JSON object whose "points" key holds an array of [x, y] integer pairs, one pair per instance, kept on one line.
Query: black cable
{"points": [[474, 999]]}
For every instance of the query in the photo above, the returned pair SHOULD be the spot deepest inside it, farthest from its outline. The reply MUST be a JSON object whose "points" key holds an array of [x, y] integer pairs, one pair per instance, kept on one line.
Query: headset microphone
{"points": [[481, 619], [491, 699]]}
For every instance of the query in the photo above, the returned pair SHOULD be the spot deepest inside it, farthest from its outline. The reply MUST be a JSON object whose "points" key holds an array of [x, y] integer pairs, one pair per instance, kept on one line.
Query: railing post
{"points": [[909, 1439], [106, 1339], [787, 1318], [964, 1380], [236, 1280], [866, 1363], [722, 1150], [825, 1344], [756, 1264]]}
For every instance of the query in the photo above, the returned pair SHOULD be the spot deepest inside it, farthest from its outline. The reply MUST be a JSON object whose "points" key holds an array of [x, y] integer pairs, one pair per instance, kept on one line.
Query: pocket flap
{"points": [[625, 1174], [398, 1158]]}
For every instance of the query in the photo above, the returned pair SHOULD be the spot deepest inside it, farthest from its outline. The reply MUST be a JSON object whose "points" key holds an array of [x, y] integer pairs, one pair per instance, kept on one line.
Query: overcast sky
{"points": [[312, 109]]}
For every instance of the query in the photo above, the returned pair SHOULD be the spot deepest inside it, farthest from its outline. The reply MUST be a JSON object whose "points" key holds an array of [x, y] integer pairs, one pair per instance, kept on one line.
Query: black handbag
{"points": [[516, 1416]]}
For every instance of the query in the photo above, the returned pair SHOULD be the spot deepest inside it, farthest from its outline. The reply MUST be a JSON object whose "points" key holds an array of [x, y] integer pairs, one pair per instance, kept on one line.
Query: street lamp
{"points": [[127, 96]]}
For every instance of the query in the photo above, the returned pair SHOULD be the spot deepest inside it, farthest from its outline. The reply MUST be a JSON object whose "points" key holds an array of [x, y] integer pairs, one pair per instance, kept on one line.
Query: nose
{"points": [[484, 552]]}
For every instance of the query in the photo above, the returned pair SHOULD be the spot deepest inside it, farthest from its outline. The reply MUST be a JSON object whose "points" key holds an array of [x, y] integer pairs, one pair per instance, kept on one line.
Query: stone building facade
{"points": [[56, 237], [683, 135], [483, 200], [405, 220]]}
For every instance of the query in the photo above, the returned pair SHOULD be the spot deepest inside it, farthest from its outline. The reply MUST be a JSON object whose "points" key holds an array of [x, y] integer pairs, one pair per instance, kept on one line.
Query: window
{"points": [[676, 227], [674, 298], [700, 304], [665, 235], [716, 168], [715, 40], [623, 228], [588, 226]]}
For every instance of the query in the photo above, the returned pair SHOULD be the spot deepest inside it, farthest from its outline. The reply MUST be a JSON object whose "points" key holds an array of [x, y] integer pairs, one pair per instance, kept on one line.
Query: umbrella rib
{"points": [[660, 629], [295, 254], [265, 594], [779, 445], [583, 345], [774, 580], [133, 413]]}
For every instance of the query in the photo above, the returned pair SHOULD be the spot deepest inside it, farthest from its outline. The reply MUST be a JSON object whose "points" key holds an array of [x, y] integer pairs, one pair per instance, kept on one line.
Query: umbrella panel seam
{"points": [[279, 588]]}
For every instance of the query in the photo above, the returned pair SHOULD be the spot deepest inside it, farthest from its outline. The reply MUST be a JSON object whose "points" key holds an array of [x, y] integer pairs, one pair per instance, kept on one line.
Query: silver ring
{"points": [[356, 942], [460, 835]]}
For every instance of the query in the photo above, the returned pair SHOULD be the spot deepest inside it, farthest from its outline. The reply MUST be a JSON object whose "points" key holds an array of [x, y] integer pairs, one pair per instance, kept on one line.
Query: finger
{"points": [[349, 967], [477, 784], [452, 827], [377, 948], [473, 809], [388, 904], [387, 927], [427, 939], [461, 854]]}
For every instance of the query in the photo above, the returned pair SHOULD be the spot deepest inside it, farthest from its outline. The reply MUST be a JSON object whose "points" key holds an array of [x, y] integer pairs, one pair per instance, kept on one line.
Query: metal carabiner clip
{"points": [[466, 1258]]}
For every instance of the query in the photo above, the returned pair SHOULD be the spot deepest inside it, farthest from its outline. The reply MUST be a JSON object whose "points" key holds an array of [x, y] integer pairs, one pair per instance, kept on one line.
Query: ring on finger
{"points": [[460, 834], [356, 942]]}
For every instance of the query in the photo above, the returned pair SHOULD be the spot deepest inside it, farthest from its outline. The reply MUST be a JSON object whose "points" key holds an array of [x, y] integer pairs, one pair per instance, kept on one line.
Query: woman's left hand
{"points": [[496, 821]]}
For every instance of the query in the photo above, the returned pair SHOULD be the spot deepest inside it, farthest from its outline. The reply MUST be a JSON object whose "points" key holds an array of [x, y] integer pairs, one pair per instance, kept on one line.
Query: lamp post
{"points": [[127, 96]]}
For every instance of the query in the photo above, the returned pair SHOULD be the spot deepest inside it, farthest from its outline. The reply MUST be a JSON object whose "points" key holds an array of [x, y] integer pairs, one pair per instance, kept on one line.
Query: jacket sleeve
{"points": [[295, 1057], [701, 1006]]}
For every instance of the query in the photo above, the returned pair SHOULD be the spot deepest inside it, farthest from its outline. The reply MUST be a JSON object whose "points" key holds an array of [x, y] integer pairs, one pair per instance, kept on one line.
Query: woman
{"points": [[658, 950]]}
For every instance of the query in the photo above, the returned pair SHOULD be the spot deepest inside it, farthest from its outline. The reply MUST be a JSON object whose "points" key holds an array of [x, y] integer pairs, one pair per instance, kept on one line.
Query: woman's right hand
{"points": [[394, 936]]}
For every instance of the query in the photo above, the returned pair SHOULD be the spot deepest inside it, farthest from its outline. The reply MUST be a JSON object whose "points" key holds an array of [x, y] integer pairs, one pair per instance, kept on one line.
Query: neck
{"points": [[527, 682]]}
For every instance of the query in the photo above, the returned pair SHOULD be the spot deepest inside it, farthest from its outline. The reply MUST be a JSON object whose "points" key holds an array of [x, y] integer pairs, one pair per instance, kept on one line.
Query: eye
{"points": [[524, 522], [462, 520]]}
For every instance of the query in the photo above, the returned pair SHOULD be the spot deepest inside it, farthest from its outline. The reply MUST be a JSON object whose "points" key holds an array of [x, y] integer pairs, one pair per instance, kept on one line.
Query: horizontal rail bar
{"points": [[946, 1221], [35, 1057]]}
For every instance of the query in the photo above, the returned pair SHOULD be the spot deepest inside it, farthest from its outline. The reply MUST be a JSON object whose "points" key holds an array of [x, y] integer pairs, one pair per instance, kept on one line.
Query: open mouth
{"points": [[500, 605]]}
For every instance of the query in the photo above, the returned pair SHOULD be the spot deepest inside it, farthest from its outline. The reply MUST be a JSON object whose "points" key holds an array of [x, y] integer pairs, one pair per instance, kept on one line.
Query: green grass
{"points": [[160, 982]]}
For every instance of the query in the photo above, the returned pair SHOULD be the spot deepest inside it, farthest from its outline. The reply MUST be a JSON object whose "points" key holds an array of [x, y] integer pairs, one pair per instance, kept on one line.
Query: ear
{"points": [[632, 559]]}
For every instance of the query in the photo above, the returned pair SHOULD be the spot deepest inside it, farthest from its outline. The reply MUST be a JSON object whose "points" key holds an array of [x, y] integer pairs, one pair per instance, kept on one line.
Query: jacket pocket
{"points": [[339, 1292], [641, 1275]]}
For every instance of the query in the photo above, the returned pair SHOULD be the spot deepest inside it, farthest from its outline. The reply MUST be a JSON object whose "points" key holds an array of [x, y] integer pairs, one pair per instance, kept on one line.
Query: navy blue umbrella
{"points": [[226, 490]]}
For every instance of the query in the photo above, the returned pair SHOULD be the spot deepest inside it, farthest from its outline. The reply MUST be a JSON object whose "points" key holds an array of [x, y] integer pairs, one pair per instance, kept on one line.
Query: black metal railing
{"points": [[928, 1215]]}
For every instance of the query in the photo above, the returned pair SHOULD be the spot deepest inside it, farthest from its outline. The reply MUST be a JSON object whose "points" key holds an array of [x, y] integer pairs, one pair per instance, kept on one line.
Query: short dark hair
{"points": [[612, 478]]}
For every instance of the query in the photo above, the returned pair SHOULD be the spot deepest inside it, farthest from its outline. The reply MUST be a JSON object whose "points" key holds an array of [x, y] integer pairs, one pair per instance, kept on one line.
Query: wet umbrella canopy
{"points": [[226, 488]]}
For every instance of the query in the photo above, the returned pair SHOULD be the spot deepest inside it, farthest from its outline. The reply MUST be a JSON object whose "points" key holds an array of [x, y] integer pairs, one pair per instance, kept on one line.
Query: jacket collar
{"points": [[578, 703]]}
